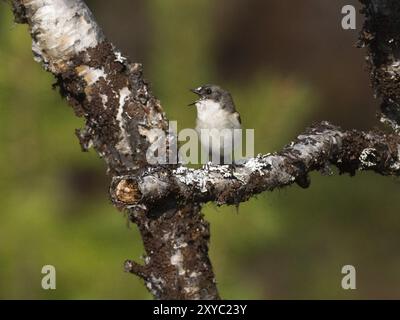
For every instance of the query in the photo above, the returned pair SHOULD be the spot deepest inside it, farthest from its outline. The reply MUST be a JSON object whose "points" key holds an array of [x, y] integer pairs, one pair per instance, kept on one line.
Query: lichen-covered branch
{"points": [[172, 268], [381, 36], [318, 148]]}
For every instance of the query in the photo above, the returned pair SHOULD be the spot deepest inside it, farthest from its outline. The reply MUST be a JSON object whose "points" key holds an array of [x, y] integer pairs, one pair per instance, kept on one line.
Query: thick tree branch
{"points": [[122, 120], [382, 37], [318, 148], [176, 241]]}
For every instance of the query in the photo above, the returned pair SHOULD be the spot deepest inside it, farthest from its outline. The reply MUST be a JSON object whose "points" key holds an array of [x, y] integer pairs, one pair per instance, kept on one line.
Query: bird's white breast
{"points": [[213, 125], [210, 115]]}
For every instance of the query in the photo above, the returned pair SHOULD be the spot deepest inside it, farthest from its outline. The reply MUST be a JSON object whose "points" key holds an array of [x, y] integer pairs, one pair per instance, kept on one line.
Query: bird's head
{"points": [[211, 92]]}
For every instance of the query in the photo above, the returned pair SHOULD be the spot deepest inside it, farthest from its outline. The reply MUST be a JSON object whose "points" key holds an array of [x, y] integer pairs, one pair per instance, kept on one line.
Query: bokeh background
{"points": [[288, 64]]}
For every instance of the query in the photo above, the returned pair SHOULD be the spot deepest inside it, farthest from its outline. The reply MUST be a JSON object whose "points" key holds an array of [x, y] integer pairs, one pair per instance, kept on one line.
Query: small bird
{"points": [[216, 121]]}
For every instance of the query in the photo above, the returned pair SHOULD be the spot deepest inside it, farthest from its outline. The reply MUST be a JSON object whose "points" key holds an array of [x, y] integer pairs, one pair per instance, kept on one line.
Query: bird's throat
{"points": [[207, 109]]}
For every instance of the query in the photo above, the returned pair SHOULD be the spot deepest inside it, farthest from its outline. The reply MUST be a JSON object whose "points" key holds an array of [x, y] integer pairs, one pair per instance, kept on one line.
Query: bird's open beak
{"points": [[195, 91]]}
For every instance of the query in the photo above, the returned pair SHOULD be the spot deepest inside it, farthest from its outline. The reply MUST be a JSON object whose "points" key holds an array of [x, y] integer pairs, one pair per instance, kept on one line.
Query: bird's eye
{"points": [[208, 91]]}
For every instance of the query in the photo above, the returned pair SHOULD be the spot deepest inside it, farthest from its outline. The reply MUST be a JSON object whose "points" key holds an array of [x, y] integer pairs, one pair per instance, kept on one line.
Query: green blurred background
{"points": [[287, 64]]}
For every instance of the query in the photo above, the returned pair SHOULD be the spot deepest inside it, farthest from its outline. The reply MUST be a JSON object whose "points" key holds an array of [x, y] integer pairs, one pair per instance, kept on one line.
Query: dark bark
{"points": [[382, 38], [318, 148], [172, 269]]}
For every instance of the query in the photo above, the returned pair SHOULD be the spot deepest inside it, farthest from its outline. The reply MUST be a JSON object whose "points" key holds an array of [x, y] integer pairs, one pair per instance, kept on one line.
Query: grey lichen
{"points": [[367, 158]]}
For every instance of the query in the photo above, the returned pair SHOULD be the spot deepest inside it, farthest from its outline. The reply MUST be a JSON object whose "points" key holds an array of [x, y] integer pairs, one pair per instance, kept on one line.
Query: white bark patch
{"points": [[152, 135], [202, 178], [104, 100], [367, 158], [119, 57], [392, 123], [393, 69], [155, 285], [195, 274], [151, 289], [180, 244], [177, 261], [396, 165], [157, 282], [91, 75], [123, 145], [61, 29]]}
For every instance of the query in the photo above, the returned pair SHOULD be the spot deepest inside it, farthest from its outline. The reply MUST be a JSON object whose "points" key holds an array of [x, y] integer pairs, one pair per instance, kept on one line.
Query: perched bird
{"points": [[216, 121]]}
